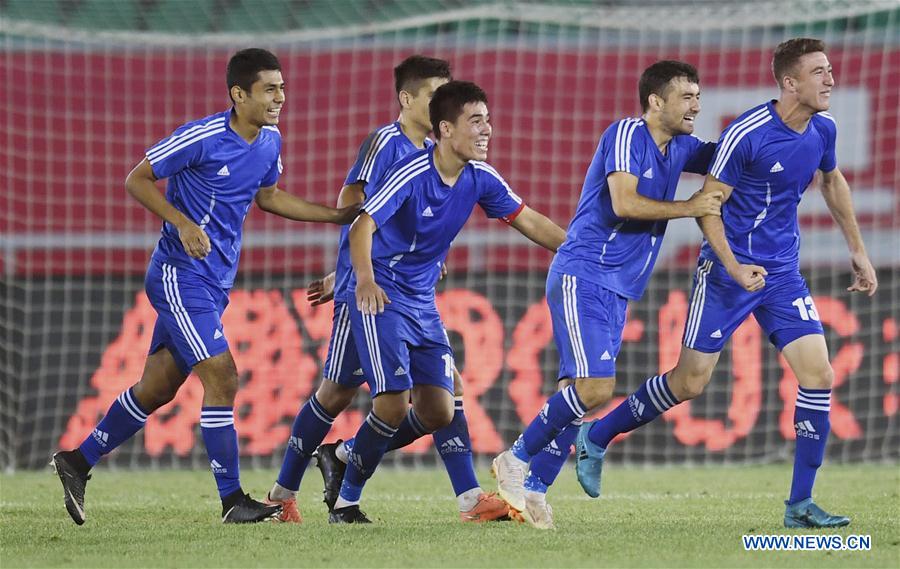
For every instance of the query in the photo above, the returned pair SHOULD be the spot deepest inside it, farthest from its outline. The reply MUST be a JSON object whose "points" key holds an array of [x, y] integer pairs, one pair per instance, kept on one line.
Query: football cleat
{"points": [[290, 514], [249, 511], [806, 514], [588, 461], [488, 508], [348, 515], [510, 474], [537, 511], [73, 482], [332, 470]]}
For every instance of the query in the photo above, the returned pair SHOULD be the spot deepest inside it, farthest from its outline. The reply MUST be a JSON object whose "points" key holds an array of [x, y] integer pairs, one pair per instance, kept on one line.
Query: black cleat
{"points": [[348, 515], [332, 470], [73, 482], [246, 510]]}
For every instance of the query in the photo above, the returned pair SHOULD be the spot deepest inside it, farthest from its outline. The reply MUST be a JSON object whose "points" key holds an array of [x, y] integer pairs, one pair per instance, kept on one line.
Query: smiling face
{"points": [[680, 106], [811, 81], [261, 106], [470, 133]]}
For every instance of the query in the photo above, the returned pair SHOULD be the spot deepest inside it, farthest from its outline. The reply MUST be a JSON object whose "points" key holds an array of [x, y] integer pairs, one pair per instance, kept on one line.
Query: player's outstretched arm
{"points": [[751, 277], [141, 184], [538, 227], [279, 202], [627, 203], [370, 298], [836, 192]]}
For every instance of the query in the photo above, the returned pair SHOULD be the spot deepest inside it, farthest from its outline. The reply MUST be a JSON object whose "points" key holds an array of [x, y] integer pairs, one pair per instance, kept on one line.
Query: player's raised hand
{"points": [[751, 277], [370, 298], [321, 291], [194, 240], [702, 204], [864, 278]]}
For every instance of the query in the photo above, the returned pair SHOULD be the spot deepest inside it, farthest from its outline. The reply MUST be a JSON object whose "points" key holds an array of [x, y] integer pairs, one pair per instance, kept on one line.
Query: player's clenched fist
{"points": [[194, 240], [370, 298], [751, 277], [709, 203]]}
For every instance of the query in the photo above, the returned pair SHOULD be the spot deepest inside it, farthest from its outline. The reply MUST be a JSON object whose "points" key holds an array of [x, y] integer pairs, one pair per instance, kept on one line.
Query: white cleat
{"points": [[537, 511], [510, 474]]}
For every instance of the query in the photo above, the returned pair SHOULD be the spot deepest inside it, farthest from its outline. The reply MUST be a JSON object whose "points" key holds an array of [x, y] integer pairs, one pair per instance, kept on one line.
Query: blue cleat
{"points": [[805, 514], [588, 461]]}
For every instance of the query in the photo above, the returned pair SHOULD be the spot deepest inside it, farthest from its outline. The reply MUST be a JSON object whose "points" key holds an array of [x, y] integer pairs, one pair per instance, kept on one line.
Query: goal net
{"points": [[89, 85]]}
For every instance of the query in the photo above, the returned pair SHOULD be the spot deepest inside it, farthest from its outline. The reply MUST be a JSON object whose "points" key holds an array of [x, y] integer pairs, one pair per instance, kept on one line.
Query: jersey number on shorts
{"points": [[807, 308]]}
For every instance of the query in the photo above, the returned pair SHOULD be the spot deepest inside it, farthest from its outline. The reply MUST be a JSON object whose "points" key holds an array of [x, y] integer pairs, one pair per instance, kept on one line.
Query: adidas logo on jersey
{"points": [[777, 168], [716, 334], [648, 174], [223, 171], [400, 371], [453, 445], [358, 372], [217, 335], [606, 356], [427, 212], [805, 429], [101, 437], [217, 468]]}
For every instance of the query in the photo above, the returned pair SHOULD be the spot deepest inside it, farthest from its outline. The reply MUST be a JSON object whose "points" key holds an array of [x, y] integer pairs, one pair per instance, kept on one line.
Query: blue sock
{"points": [[124, 418], [564, 407], [410, 429], [545, 465], [455, 447], [217, 427], [371, 442], [811, 423], [310, 427], [650, 401]]}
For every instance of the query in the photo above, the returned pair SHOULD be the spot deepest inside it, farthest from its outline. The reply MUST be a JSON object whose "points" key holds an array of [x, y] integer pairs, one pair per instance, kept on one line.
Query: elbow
{"points": [[621, 209]]}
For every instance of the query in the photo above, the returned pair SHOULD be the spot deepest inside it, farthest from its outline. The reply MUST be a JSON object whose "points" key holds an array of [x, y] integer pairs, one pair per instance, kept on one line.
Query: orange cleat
{"points": [[489, 507], [290, 514]]}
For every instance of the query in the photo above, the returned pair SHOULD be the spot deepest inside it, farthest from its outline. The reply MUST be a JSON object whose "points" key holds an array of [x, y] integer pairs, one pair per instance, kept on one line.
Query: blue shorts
{"points": [[402, 347], [588, 320], [784, 308], [189, 315], [342, 365]]}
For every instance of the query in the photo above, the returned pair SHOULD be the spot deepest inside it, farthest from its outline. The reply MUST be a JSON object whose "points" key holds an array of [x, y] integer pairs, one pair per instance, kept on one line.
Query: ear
{"points": [[405, 99], [789, 84], [237, 94], [446, 129], [655, 101]]}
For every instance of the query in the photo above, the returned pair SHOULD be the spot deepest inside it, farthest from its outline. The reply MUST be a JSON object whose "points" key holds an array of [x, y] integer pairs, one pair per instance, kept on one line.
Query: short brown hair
{"points": [[789, 52]]}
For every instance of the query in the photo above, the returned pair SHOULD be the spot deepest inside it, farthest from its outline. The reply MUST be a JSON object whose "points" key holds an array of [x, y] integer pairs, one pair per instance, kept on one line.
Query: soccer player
{"points": [[216, 166], [749, 264], [397, 247], [609, 253], [415, 80]]}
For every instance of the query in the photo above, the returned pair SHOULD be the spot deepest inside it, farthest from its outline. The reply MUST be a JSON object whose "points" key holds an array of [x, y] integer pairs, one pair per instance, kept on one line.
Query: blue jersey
{"points": [[381, 149], [418, 216], [214, 175], [601, 247], [769, 166]]}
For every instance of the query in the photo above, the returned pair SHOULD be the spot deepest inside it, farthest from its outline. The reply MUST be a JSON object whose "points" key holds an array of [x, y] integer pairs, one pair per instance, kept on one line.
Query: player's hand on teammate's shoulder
{"points": [[864, 277], [347, 214], [194, 240], [321, 291], [751, 277], [370, 298], [708, 203]]}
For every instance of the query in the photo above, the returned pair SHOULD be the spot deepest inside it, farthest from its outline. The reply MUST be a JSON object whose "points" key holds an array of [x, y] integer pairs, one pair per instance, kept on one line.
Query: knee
{"points": [[152, 397], [334, 398], [436, 418], [688, 384], [820, 378], [595, 392]]}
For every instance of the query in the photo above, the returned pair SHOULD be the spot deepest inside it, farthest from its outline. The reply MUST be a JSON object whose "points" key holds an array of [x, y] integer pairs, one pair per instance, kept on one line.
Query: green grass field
{"points": [[672, 517]]}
